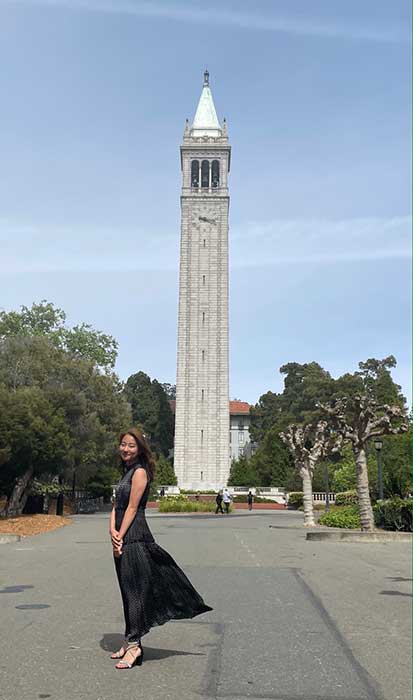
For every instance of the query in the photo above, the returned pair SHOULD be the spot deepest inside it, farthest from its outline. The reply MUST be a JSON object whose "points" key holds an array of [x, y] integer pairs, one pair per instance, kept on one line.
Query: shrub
{"points": [[202, 493], [394, 514], [181, 504], [43, 488], [344, 516], [295, 499], [347, 498]]}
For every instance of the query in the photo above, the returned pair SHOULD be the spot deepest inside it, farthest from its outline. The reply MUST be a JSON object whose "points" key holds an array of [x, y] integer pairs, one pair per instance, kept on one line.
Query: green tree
{"points": [[272, 461], [378, 382], [170, 390], [46, 321], [360, 420], [151, 408], [304, 385], [264, 415], [34, 439], [164, 472], [242, 473], [90, 403], [345, 477], [101, 483]]}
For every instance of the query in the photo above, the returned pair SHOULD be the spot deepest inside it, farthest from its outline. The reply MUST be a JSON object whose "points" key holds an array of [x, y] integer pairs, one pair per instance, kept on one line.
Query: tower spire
{"points": [[206, 121]]}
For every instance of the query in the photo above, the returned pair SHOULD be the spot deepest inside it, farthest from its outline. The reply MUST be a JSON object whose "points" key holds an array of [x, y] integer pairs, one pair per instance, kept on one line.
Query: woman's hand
{"points": [[117, 549], [117, 542], [115, 537]]}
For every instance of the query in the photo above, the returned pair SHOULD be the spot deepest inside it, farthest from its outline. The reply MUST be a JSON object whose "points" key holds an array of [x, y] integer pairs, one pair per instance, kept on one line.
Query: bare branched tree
{"points": [[359, 420], [308, 444]]}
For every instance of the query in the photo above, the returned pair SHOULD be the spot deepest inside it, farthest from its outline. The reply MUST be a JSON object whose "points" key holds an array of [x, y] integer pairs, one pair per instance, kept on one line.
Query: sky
{"points": [[94, 97]]}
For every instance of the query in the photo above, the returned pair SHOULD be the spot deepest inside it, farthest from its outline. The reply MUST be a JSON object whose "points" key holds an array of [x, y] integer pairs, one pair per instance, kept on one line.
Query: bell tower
{"points": [[201, 455]]}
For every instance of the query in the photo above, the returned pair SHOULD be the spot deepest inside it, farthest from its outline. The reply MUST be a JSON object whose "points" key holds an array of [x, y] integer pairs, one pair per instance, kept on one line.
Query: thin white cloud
{"points": [[184, 12], [34, 249], [297, 242]]}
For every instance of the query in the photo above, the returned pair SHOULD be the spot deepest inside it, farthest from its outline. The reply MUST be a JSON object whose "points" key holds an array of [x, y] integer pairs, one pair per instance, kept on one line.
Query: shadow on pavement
{"points": [[112, 642], [15, 589]]}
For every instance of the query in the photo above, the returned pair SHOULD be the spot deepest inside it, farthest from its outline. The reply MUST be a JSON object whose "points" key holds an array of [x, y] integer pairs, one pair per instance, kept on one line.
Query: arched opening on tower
{"points": [[205, 173], [215, 173], [195, 173]]}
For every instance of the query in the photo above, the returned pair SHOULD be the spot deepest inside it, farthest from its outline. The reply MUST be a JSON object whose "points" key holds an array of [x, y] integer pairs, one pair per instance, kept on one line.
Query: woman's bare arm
{"points": [[112, 526]]}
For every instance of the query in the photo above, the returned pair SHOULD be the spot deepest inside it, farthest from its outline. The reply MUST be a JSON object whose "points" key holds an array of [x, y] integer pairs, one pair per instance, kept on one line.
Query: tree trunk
{"points": [[307, 497], [20, 493], [366, 511]]}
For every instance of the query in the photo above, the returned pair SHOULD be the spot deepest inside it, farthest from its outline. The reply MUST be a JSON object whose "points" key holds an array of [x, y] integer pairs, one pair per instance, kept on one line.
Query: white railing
{"points": [[320, 497]]}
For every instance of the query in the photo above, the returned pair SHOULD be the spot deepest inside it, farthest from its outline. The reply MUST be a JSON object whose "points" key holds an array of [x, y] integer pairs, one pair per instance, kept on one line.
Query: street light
{"points": [[378, 444], [327, 487]]}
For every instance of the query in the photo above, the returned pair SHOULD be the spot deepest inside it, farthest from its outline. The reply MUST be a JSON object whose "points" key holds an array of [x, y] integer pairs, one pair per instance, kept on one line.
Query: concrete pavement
{"points": [[292, 619]]}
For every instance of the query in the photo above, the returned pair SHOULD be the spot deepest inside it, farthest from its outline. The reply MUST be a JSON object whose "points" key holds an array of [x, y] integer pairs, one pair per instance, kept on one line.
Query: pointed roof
{"points": [[206, 121]]}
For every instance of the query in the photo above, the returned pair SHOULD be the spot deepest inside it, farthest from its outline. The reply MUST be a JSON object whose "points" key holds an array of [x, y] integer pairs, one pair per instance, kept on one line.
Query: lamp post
{"points": [[60, 497], [327, 482], [378, 444]]}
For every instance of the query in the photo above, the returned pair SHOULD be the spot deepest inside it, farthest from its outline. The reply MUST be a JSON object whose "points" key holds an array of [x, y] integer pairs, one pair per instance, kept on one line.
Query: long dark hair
{"points": [[144, 452]]}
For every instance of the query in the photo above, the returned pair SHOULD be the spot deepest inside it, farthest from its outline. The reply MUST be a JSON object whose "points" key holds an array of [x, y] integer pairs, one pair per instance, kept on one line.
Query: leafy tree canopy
{"points": [[48, 321], [272, 461], [242, 473], [151, 408]]}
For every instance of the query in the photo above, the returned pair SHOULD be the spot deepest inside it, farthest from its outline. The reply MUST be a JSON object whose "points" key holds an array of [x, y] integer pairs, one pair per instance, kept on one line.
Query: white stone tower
{"points": [[201, 455]]}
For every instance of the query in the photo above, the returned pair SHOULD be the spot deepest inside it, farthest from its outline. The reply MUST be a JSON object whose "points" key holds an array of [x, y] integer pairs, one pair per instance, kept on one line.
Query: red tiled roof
{"points": [[235, 407]]}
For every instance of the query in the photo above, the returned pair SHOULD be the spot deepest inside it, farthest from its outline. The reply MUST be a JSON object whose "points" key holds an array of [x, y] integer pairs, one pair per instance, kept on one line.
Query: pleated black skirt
{"points": [[154, 589]]}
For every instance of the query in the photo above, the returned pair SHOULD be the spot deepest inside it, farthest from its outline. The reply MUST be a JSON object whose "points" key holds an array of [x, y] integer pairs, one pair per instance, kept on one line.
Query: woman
{"points": [[153, 587]]}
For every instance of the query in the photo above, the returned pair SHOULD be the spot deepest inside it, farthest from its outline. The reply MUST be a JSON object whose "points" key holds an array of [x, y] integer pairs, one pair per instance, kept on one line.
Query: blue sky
{"points": [[317, 97]]}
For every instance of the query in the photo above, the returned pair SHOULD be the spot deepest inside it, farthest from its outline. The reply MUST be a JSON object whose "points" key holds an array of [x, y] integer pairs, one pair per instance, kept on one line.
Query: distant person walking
{"points": [[218, 501], [250, 499], [226, 497]]}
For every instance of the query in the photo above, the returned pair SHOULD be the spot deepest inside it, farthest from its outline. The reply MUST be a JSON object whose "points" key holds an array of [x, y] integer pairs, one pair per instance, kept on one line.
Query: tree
{"points": [[309, 444], [46, 321], [164, 472], [271, 461], [345, 478], [304, 385], [170, 390], [101, 483], [151, 408], [378, 382], [359, 420], [397, 470], [264, 415], [90, 404], [35, 439], [242, 473]]}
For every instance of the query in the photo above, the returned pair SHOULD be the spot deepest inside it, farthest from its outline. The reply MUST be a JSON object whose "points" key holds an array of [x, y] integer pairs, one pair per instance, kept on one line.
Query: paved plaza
{"points": [[292, 620]]}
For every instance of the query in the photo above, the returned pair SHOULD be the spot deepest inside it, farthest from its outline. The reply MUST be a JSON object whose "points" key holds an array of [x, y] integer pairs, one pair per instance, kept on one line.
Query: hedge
{"points": [[181, 504], [343, 516], [295, 499], [394, 514], [346, 498]]}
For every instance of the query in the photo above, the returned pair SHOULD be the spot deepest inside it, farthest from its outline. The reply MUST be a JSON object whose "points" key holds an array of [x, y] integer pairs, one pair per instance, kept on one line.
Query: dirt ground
{"points": [[26, 525]]}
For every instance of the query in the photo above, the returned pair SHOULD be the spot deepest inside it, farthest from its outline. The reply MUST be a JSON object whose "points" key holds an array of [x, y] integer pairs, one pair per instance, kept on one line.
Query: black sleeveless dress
{"points": [[153, 587]]}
